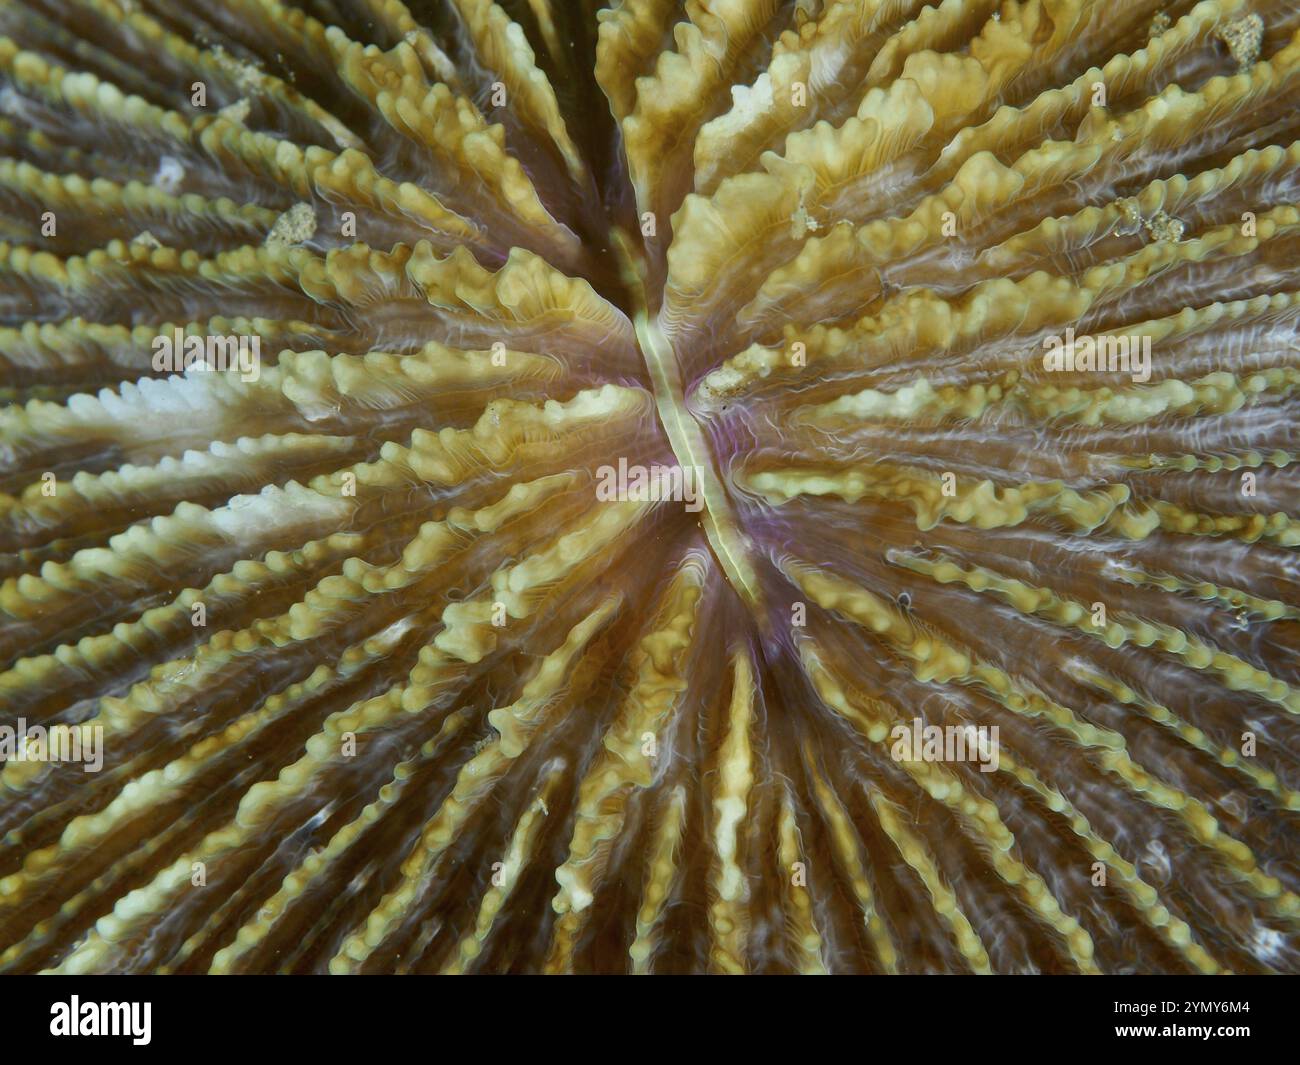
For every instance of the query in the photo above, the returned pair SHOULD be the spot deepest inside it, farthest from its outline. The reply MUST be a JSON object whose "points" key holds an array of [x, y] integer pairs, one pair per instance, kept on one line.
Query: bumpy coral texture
{"points": [[384, 686]]}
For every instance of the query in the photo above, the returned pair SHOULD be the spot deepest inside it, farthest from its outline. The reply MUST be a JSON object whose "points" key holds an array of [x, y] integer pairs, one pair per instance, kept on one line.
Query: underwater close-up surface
{"points": [[572, 486]]}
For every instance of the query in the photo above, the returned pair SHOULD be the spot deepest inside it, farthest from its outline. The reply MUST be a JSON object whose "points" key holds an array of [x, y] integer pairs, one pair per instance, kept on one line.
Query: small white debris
{"points": [[170, 175], [1244, 36], [297, 224]]}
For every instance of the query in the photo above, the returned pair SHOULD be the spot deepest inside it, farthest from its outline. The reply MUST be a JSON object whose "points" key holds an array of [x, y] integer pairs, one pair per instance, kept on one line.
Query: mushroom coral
{"points": [[734, 485]]}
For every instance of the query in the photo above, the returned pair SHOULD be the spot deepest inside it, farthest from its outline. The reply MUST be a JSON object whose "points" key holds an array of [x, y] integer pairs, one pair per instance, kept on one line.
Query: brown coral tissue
{"points": [[643, 486]]}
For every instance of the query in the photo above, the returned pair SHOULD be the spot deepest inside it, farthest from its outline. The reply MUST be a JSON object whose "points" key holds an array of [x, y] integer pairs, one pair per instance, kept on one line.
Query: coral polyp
{"points": [[727, 486]]}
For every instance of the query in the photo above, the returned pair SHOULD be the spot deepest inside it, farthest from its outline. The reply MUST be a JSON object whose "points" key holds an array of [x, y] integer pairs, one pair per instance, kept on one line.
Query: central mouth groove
{"points": [[726, 538]]}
